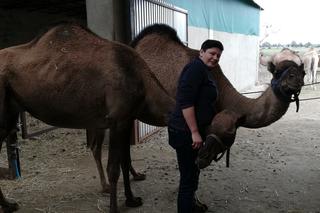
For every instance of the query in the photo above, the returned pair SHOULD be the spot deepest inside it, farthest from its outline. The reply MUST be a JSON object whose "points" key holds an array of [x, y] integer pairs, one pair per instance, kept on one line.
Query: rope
{"points": [[303, 99], [311, 84], [308, 99], [245, 93]]}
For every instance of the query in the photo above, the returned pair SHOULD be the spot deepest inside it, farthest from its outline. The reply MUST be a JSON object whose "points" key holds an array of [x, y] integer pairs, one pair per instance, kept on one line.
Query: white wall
{"points": [[239, 60]]}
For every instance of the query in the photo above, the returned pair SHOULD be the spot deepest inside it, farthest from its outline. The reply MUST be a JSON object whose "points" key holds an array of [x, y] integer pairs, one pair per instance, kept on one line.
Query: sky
{"points": [[284, 21]]}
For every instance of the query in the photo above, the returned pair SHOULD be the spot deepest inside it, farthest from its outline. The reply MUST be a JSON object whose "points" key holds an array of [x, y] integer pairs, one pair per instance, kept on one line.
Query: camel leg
{"points": [[314, 79], [95, 139], [11, 141], [315, 68], [6, 206], [131, 201], [13, 154], [113, 167], [4, 129], [118, 149]]}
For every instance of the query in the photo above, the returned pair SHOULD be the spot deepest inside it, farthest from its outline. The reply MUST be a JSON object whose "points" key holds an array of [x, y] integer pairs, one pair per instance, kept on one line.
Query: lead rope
{"points": [[226, 149]]}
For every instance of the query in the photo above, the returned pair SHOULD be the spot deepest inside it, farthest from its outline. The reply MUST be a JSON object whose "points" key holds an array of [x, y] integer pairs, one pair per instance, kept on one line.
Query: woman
{"points": [[194, 111]]}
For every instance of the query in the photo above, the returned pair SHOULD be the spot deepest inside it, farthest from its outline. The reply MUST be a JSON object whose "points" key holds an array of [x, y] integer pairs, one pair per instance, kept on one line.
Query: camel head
{"points": [[288, 76], [220, 136]]}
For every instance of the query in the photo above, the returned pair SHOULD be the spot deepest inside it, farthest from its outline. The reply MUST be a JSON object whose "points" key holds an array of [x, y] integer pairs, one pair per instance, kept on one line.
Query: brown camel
{"points": [[71, 78], [166, 55]]}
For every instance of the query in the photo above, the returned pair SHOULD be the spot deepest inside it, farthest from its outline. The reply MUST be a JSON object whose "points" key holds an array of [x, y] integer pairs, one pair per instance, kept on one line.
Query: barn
{"points": [[234, 22]]}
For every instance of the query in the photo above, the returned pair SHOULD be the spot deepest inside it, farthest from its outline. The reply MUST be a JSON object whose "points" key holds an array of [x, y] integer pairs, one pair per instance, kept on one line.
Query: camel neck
{"points": [[258, 112]]}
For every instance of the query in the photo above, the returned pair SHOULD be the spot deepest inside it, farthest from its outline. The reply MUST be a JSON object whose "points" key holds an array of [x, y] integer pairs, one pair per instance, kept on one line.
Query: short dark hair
{"points": [[210, 44]]}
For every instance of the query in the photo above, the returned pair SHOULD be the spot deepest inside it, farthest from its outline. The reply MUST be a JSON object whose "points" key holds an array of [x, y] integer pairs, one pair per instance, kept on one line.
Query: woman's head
{"points": [[210, 52]]}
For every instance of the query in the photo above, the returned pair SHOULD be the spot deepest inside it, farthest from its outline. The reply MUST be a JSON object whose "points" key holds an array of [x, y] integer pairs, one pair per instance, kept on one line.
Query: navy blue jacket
{"points": [[196, 87]]}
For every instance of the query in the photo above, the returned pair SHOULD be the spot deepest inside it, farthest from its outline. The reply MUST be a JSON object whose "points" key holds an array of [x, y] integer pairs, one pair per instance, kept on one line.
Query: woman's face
{"points": [[211, 56]]}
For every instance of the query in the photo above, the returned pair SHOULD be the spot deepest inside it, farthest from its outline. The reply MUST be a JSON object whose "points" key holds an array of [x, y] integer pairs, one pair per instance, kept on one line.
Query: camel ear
{"points": [[271, 67]]}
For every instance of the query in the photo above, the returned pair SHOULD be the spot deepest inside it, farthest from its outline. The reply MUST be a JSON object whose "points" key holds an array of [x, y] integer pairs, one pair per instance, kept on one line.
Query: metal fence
{"points": [[147, 12], [25, 130]]}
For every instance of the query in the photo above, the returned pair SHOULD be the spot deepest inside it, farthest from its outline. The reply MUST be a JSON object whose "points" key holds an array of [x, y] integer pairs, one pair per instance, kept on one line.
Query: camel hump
{"points": [[161, 29], [286, 55], [66, 32]]}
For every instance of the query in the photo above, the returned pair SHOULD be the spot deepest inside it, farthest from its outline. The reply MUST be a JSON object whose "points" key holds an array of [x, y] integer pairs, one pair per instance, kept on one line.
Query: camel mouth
{"points": [[209, 152], [293, 89]]}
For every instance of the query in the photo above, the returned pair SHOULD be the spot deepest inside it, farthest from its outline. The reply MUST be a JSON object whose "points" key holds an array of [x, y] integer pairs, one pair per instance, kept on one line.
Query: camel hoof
{"points": [[9, 207], [134, 202], [139, 177]]}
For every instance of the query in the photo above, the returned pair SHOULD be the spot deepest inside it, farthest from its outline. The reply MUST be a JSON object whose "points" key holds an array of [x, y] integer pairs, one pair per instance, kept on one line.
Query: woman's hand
{"points": [[189, 116], [197, 140]]}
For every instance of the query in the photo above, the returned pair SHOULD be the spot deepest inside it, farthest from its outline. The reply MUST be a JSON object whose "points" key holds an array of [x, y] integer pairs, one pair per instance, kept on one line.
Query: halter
{"points": [[280, 93], [223, 146]]}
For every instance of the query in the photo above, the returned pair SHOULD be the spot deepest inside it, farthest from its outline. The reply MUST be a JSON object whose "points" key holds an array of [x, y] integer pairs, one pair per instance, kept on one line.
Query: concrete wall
{"points": [[100, 17], [239, 60], [107, 18]]}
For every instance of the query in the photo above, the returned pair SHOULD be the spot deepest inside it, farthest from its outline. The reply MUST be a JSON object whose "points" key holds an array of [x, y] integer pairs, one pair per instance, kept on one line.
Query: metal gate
{"points": [[28, 132], [148, 12]]}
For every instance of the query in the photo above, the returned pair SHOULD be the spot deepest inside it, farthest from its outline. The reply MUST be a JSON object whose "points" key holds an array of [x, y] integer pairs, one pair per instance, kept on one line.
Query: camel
{"points": [[311, 60], [69, 77], [166, 55]]}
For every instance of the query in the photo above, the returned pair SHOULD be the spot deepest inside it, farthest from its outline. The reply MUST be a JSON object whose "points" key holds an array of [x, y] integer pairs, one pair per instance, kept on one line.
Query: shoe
{"points": [[198, 206]]}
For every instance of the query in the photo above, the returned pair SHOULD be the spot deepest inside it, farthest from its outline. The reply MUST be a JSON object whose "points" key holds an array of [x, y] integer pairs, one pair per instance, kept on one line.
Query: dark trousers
{"points": [[181, 141]]}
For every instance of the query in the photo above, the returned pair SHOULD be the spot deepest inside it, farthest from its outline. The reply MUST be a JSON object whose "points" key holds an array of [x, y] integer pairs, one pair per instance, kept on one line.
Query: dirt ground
{"points": [[273, 169]]}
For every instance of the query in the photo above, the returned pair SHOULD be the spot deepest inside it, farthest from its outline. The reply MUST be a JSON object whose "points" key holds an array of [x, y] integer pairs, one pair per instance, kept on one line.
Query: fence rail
{"points": [[25, 133]]}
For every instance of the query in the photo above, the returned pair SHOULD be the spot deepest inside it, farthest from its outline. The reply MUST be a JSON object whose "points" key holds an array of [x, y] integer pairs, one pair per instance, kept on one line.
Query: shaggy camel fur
{"points": [[71, 78]]}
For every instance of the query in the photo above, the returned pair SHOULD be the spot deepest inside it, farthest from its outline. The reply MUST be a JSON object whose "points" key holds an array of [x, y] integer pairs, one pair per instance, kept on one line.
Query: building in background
{"points": [[234, 22]]}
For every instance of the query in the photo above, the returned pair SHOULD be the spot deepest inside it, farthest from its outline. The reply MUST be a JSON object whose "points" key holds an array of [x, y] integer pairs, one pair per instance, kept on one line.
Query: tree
{"points": [[266, 45], [293, 44], [308, 44]]}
